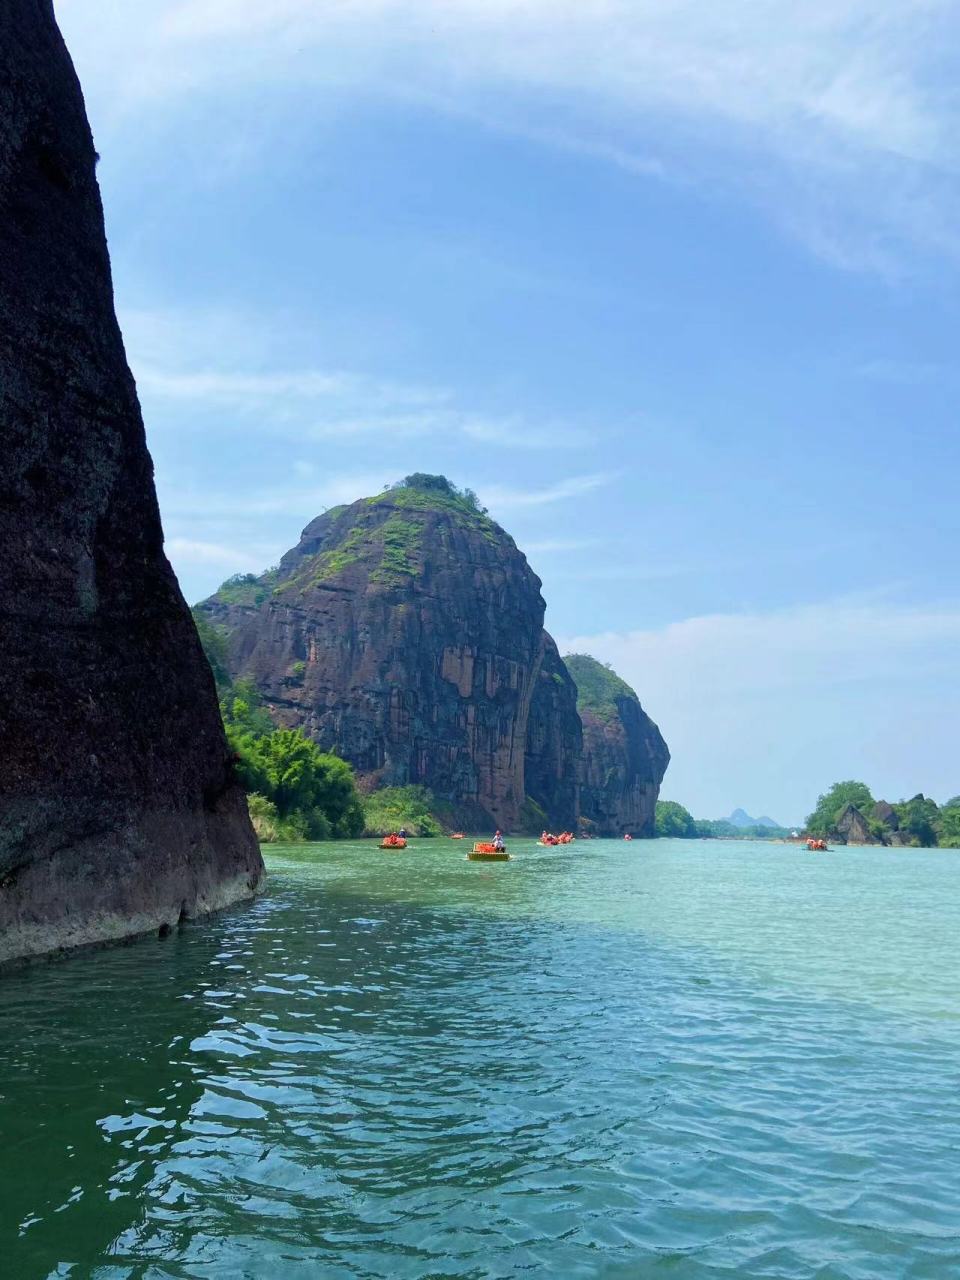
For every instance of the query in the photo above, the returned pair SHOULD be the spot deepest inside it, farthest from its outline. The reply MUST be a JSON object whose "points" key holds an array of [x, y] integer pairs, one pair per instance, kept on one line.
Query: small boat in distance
{"points": [[457, 835], [393, 842], [628, 836], [484, 851], [818, 846]]}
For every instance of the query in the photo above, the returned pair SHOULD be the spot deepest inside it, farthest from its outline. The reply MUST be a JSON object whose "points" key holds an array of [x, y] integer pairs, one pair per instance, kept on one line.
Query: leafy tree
{"points": [[395, 807], [302, 779], [673, 821], [950, 824], [919, 820], [311, 794], [831, 803]]}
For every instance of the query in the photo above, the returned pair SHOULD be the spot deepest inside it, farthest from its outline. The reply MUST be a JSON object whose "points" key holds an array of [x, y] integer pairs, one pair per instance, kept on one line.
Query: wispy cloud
{"points": [[189, 551], [839, 116], [174, 361], [551, 546], [501, 499]]}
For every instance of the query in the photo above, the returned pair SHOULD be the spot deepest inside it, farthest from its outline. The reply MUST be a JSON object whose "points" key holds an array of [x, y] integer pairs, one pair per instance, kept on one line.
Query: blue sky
{"points": [[673, 286]]}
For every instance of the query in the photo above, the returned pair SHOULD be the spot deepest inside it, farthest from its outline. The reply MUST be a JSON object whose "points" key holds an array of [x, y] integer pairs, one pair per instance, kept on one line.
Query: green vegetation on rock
{"points": [[214, 643], [436, 490], [295, 791], [917, 823], [391, 808], [401, 539], [830, 805], [598, 685], [313, 793], [246, 588]]}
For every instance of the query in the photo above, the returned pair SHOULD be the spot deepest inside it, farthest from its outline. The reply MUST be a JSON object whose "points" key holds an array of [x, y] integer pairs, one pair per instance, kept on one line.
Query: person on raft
{"points": [[402, 833], [498, 841]]}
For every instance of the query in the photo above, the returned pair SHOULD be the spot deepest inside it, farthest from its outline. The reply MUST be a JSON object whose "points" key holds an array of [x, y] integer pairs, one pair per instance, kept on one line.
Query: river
{"points": [[677, 1059]]}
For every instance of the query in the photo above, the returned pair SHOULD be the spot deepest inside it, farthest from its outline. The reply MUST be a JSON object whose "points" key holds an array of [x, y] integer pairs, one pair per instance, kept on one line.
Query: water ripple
{"points": [[690, 1063]]}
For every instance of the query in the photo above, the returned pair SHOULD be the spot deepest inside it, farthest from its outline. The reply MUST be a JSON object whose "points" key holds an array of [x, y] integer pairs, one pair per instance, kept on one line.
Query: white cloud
{"points": [[550, 546], [188, 551], [509, 499], [837, 115], [179, 359], [294, 503], [750, 702]]}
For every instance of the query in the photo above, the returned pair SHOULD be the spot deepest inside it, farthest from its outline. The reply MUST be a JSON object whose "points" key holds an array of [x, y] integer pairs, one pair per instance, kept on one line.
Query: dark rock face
{"points": [[624, 754], [406, 632], [885, 813], [852, 827], [554, 743], [118, 808]]}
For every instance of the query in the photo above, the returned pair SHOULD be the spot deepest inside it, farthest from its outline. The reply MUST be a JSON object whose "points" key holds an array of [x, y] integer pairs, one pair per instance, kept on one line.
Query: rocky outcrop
{"points": [[852, 827], [405, 632], [884, 812], [554, 745], [624, 754], [118, 809]]}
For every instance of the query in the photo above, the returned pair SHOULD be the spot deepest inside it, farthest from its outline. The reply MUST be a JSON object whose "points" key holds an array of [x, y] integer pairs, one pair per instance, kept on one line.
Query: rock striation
{"points": [[119, 812], [624, 755], [405, 632]]}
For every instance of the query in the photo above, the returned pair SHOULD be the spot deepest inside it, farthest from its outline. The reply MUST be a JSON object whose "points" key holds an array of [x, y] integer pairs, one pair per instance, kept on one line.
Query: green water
{"points": [[668, 1059]]}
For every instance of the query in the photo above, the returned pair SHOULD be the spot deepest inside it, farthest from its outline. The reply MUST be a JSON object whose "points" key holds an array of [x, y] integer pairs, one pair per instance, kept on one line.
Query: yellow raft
{"points": [[487, 853]]}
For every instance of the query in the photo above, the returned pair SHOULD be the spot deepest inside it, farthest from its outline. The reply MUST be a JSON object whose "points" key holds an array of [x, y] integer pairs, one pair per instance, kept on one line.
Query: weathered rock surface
{"points": [[624, 754], [118, 808], [554, 744], [406, 632], [887, 814], [852, 827]]}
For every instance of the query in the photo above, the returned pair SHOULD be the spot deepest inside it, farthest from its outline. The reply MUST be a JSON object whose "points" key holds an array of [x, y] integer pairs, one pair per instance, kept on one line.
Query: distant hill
{"points": [[740, 818]]}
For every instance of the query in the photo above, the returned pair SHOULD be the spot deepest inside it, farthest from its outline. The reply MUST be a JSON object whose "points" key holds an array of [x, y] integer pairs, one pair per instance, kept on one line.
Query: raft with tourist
{"points": [[490, 850], [394, 841]]}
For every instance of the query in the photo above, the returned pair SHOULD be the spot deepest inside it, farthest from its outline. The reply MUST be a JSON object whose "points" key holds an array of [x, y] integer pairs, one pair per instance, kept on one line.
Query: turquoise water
{"points": [[668, 1059]]}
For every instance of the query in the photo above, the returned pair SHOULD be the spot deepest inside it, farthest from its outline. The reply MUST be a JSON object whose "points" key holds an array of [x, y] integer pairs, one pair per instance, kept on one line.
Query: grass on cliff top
{"points": [[422, 492], [598, 686], [246, 588]]}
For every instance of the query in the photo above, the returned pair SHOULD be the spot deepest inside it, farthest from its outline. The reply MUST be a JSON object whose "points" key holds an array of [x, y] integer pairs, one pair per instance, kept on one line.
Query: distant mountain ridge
{"points": [[740, 818]]}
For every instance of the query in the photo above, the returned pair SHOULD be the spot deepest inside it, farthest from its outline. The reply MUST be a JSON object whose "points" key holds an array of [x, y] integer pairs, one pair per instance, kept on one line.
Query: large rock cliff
{"points": [[406, 632], [118, 808], [554, 745], [624, 754]]}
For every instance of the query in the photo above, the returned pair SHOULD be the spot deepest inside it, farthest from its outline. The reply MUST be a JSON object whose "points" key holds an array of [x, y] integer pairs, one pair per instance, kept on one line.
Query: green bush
{"points": [[394, 807], [311, 794], [673, 821]]}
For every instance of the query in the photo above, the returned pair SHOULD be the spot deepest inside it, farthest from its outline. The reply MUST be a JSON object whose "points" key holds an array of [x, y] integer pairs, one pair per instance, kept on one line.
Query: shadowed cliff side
{"points": [[554, 746], [624, 754], [118, 807], [405, 632]]}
